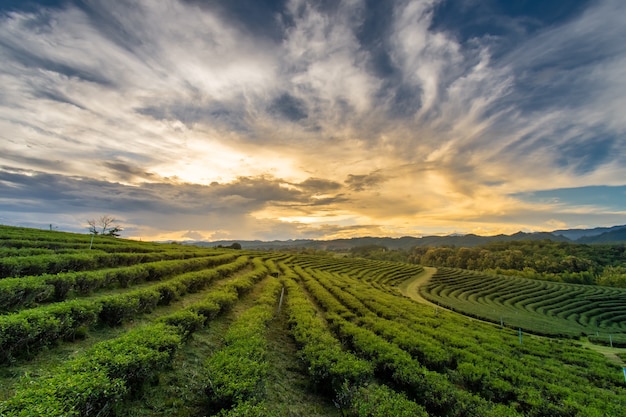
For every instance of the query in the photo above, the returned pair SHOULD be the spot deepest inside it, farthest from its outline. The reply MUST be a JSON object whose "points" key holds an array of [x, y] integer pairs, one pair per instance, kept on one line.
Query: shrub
{"points": [[208, 309], [65, 393], [94, 382], [381, 401], [24, 333], [187, 322], [117, 309], [23, 292]]}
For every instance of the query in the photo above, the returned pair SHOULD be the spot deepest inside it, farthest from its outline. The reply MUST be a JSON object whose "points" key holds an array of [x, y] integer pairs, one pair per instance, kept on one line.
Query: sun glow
{"points": [[205, 161]]}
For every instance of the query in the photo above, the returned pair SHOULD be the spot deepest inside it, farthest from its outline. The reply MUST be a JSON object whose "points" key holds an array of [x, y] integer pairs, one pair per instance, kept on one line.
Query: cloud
{"points": [[566, 78], [123, 171], [193, 235], [176, 205], [319, 185], [362, 182], [289, 107], [264, 118]]}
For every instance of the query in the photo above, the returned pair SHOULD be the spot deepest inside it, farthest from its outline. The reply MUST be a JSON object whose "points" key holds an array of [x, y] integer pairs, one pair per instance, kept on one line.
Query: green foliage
{"points": [[20, 266], [235, 376], [612, 340], [24, 292], [246, 409], [329, 365], [362, 346], [453, 366], [613, 276], [544, 259], [91, 384], [381, 401], [29, 291], [549, 308], [237, 372], [170, 291], [186, 321], [25, 332], [117, 309], [380, 253], [66, 394], [210, 308], [133, 356]]}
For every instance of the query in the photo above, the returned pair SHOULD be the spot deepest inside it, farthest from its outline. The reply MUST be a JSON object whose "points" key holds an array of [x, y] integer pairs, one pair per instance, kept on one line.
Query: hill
{"points": [[581, 234], [405, 242], [542, 307], [615, 234], [144, 329]]}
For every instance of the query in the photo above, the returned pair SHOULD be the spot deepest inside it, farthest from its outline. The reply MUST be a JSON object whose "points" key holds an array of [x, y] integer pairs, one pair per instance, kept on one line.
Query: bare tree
{"points": [[104, 225], [92, 227]]}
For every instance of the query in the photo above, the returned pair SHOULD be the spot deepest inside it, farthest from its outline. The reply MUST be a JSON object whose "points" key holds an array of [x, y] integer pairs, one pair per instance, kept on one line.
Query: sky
{"points": [[296, 119]]}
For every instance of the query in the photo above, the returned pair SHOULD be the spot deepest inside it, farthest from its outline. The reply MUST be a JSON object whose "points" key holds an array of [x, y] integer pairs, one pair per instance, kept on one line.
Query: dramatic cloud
{"points": [[286, 119]]}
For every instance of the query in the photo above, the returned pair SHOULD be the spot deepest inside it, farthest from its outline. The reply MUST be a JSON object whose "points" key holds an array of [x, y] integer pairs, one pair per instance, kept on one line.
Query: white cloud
{"points": [[156, 95]]}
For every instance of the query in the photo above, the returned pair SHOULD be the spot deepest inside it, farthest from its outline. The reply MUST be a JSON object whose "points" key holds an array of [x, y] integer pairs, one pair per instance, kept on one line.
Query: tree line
{"points": [[557, 261]]}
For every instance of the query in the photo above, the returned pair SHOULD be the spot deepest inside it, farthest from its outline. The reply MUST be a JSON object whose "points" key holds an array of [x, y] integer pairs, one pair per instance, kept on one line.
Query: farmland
{"points": [[542, 307], [144, 329]]}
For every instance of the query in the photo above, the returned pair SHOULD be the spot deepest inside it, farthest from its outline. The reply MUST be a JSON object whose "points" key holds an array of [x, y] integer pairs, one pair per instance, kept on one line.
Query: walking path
{"points": [[410, 287]]}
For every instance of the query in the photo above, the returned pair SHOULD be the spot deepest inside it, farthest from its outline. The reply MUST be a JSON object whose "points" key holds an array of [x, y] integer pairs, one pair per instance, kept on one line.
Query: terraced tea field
{"points": [[142, 329], [543, 307]]}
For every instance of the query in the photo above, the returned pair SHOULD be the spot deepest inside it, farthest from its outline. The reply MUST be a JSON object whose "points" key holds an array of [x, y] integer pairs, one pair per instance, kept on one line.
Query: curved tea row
{"points": [[544, 307], [454, 366], [364, 348]]}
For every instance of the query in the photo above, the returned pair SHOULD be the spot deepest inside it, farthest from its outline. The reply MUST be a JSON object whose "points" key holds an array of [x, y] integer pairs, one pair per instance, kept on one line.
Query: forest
{"points": [[592, 264]]}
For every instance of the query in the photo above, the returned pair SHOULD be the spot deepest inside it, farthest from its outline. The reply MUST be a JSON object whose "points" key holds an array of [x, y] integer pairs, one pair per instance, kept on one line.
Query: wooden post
{"points": [[280, 303], [520, 335]]}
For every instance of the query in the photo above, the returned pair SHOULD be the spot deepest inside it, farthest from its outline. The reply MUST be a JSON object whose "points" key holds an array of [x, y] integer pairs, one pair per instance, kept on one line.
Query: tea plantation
{"points": [[132, 328]]}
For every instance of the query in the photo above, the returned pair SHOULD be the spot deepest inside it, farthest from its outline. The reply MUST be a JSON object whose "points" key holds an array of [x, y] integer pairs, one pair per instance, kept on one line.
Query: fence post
{"points": [[280, 303]]}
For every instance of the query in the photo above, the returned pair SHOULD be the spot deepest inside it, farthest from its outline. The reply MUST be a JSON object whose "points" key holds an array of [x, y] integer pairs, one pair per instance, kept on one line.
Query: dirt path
{"points": [[289, 389], [609, 352], [180, 390], [410, 287]]}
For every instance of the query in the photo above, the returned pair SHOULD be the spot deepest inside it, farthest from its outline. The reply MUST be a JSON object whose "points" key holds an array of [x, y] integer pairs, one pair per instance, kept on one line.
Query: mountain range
{"points": [[614, 234]]}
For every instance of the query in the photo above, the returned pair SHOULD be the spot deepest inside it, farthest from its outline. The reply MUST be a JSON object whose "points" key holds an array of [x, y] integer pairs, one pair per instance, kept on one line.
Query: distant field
{"points": [[542, 307], [141, 329]]}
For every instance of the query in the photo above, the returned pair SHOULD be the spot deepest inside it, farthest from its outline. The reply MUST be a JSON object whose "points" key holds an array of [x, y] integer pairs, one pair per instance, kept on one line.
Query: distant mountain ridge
{"points": [[612, 236], [615, 234], [577, 234]]}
